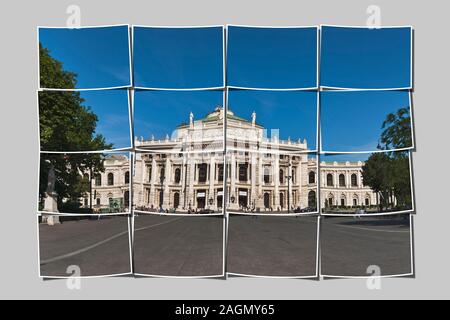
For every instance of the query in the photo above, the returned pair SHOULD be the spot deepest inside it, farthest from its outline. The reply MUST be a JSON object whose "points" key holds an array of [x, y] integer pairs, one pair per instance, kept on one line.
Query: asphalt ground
{"points": [[97, 246], [179, 246], [350, 245], [272, 246]]}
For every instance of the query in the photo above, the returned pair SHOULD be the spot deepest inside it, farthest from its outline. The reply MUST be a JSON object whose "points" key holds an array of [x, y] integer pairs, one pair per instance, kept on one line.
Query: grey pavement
{"points": [[98, 247], [349, 246], [178, 246], [272, 246]]}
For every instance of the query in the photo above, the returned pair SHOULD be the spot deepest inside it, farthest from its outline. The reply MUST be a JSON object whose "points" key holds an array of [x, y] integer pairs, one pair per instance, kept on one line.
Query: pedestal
{"points": [[50, 205]]}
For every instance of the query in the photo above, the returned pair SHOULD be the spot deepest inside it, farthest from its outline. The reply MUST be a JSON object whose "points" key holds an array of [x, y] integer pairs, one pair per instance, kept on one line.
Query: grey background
{"points": [[19, 137]]}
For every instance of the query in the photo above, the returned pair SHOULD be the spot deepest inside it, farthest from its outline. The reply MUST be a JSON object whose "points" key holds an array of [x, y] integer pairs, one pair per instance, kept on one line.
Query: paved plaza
{"points": [[349, 245]]}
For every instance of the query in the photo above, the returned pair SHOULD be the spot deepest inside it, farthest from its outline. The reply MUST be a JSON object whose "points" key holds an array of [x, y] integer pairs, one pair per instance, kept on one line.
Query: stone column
{"points": [[359, 175], [212, 180], [234, 205], [183, 182], [167, 181], [290, 201], [191, 178], [260, 182], [152, 200], [140, 162], [276, 176], [347, 179], [322, 178], [254, 191]]}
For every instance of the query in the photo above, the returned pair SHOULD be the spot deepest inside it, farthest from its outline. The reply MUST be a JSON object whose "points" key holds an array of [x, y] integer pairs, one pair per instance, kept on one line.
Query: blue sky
{"points": [[159, 112], [111, 108], [177, 58], [365, 58], [293, 113], [272, 58], [100, 56], [353, 157], [352, 120]]}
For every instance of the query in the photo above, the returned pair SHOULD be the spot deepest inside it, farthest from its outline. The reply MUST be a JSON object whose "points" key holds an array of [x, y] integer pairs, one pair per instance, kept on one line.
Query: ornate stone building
{"points": [[111, 188], [186, 171], [342, 185]]}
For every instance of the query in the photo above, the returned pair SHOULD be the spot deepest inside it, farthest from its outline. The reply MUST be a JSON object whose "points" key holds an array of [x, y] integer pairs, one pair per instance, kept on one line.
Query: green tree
{"points": [[401, 180], [375, 174], [388, 173], [396, 130], [72, 173], [66, 125]]}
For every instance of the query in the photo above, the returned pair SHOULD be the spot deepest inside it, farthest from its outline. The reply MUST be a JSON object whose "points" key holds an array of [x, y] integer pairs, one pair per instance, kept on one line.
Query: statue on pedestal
{"points": [[50, 203], [191, 119]]}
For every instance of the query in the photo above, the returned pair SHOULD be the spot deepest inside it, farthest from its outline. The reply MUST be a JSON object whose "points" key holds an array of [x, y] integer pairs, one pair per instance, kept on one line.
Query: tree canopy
{"points": [[388, 173], [66, 125]]}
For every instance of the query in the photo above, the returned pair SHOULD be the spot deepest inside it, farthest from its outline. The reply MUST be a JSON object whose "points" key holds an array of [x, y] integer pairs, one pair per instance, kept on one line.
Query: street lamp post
{"points": [[288, 178]]}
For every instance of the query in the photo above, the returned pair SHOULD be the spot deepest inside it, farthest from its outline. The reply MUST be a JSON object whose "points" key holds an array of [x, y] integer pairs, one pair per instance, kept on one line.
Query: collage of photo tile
{"points": [[226, 151]]}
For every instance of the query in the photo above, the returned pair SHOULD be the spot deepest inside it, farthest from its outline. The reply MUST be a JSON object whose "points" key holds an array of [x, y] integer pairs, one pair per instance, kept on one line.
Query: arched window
{"points": [[355, 200], [341, 180], [329, 180], [354, 179], [343, 202], [312, 199], [266, 175], [98, 201], [330, 200], [312, 177], [177, 175], [127, 177], [367, 200], [176, 200], [266, 200], [110, 179], [202, 168], [281, 176], [220, 178], [98, 180], [243, 172]]}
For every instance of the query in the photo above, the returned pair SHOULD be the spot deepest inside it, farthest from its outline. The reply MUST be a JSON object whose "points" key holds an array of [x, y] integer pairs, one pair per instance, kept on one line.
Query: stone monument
{"points": [[50, 203]]}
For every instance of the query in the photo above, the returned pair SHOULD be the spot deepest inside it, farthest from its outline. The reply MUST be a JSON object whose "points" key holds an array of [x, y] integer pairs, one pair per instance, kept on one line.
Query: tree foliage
{"points": [[66, 125], [72, 173], [388, 173], [397, 130]]}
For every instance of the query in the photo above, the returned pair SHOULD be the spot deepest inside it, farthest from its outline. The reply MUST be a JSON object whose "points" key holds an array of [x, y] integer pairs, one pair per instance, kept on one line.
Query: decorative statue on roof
{"points": [[253, 118], [191, 119]]}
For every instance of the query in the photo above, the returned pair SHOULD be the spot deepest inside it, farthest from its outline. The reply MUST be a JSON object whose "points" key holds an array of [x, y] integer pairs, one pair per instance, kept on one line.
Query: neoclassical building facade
{"points": [[111, 188], [187, 171]]}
